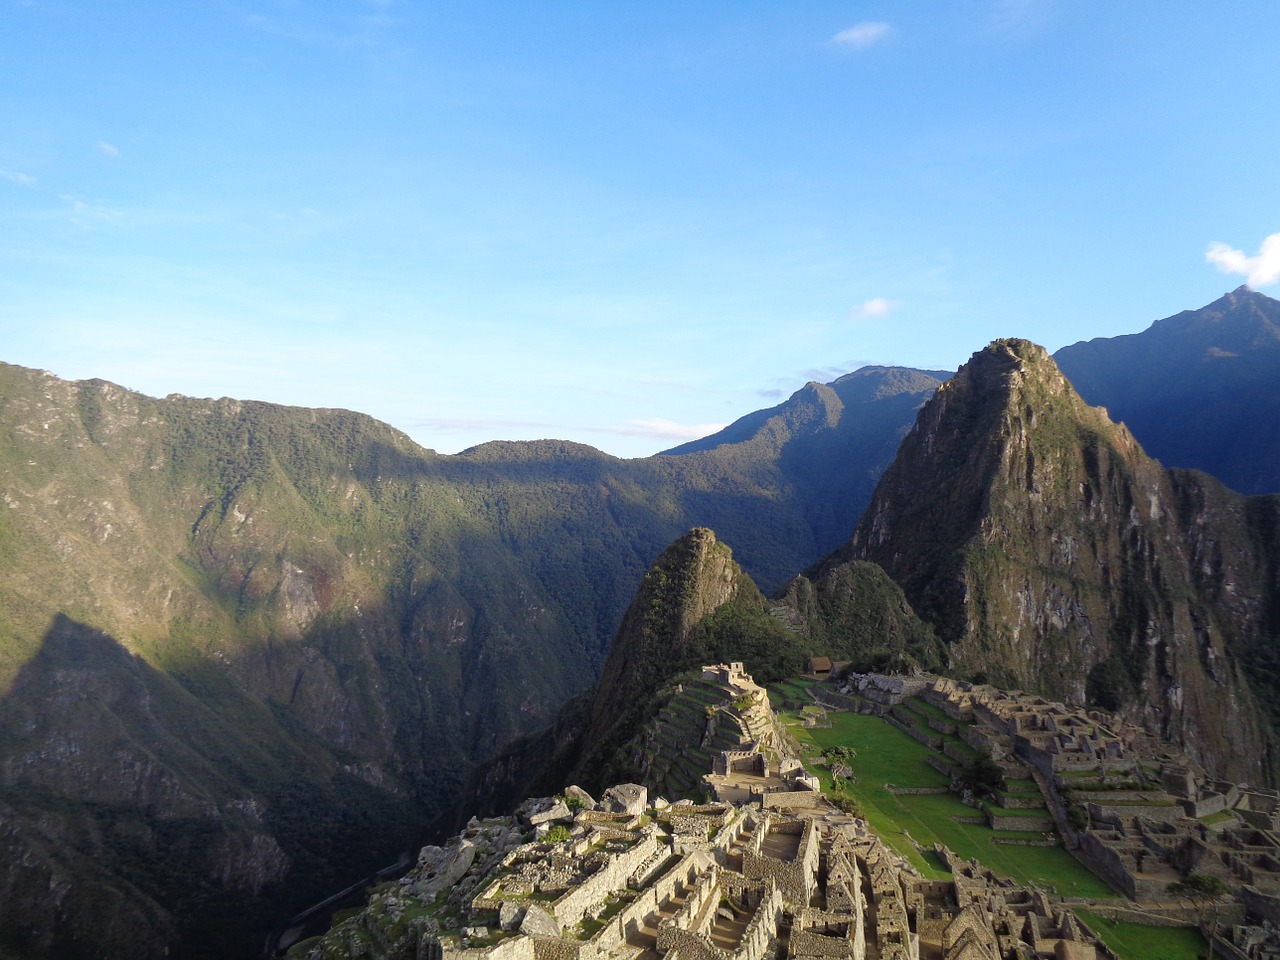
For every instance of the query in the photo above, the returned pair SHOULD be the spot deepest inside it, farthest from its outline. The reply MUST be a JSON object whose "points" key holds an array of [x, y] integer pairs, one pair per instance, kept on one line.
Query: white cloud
{"points": [[22, 179], [107, 149], [1021, 19], [870, 309], [462, 423], [863, 35], [1260, 271], [661, 429], [83, 212]]}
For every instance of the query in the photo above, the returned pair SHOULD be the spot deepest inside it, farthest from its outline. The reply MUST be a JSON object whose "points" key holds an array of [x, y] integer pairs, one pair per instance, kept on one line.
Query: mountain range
{"points": [[248, 652]]}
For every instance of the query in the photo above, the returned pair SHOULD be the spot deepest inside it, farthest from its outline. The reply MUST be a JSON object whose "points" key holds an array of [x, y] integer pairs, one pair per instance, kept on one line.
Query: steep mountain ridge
{"points": [[383, 615], [1197, 388], [340, 624], [1051, 553], [696, 606], [830, 443]]}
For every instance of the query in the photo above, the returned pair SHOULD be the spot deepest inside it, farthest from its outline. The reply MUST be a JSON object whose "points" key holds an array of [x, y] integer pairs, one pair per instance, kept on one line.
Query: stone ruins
{"points": [[777, 872]]}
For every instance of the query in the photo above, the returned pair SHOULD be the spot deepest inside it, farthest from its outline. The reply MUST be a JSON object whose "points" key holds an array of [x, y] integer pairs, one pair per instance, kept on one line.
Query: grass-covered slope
{"points": [[375, 617]]}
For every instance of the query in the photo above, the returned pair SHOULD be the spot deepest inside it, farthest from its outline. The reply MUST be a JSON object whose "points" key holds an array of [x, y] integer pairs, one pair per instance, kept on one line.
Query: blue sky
{"points": [[623, 224]]}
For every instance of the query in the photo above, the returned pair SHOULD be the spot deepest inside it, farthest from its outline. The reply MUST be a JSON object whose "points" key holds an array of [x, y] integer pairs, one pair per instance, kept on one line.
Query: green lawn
{"points": [[1133, 941], [887, 755]]}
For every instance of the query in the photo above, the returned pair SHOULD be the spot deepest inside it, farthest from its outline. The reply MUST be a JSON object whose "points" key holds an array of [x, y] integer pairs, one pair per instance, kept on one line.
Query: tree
{"points": [[1200, 887]]}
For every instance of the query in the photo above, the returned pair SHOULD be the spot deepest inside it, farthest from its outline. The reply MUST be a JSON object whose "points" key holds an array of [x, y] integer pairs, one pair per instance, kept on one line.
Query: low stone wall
{"points": [[1018, 822], [1027, 802], [976, 737], [513, 948], [944, 727], [933, 743], [598, 818], [792, 798], [1183, 915], [573, 905], [818, 934], [939, 764], [554, 948], [838, 701], [960, 710], [1015, 842], [916, 791], [1106, 863], [1160, 814]]}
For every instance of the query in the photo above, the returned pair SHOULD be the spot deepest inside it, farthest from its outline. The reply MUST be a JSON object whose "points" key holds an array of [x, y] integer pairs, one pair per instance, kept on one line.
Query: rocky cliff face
{"points": [[1052, 554], [694, 577]]}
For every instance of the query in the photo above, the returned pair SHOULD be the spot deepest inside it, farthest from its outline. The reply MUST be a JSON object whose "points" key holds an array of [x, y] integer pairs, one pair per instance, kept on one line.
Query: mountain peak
{"points": [[1216, 365], [999, 520]]}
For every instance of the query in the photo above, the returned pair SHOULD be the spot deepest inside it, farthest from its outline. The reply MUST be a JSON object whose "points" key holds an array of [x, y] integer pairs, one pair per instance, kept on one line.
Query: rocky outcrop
{"points": [[694, 577], [1051, 553], [855, 608]]}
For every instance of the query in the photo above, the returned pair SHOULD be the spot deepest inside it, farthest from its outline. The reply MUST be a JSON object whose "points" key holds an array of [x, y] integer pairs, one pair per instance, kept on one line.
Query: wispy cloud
{"points": [[1022, 19], [661, 429], [1259, 271], [83, 212], [107, 149], [22, 179], [863, 35], [335, 31], [465, 424], [873, 308]]}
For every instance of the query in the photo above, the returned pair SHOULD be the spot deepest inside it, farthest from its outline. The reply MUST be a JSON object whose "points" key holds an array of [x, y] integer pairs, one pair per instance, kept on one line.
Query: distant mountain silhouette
{"points": [[1199, 389]]}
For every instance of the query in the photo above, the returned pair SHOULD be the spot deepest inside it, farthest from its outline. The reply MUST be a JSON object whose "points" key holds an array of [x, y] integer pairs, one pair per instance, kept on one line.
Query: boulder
{"points": [[586, 800], [629, 798], [543, 810], [509, 915], [441, 868], [538, 922]]}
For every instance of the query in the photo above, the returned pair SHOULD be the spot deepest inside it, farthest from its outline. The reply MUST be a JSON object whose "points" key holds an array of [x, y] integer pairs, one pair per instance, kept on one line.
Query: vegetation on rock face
{"points": [[1050, 553], [380, 617], [289, 630], [854, 610]]}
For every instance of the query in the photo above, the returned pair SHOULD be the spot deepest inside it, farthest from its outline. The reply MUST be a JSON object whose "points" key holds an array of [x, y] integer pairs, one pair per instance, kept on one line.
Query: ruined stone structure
{"points": [[723, 712], [771, 869], [722, 882]]}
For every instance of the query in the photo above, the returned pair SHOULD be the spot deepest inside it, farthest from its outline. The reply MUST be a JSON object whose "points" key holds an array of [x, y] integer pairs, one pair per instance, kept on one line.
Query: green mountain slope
{"points": [[1052, 554], [312, 587]]}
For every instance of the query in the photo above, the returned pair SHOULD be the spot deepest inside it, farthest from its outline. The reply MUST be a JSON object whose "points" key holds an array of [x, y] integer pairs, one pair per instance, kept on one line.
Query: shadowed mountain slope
{"points": [[1198, 389], [392, 614]]}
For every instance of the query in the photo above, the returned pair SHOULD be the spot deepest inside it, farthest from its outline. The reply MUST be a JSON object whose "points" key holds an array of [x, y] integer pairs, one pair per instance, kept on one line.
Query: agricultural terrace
{"points": [[885, 756], [1134, 941]]}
